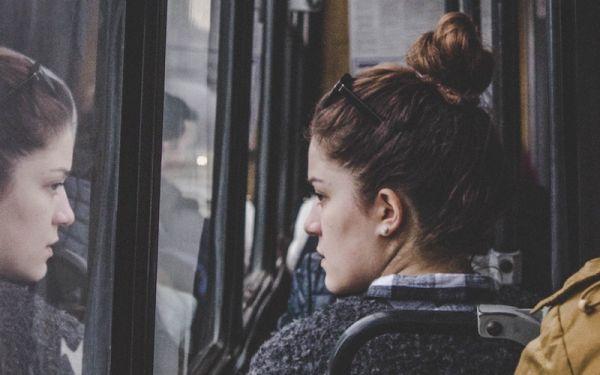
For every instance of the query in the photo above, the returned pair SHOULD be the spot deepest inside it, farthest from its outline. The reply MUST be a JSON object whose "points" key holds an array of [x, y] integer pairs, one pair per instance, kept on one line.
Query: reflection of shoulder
{"points": [[35, 336], [188, 204], [172, 199]]}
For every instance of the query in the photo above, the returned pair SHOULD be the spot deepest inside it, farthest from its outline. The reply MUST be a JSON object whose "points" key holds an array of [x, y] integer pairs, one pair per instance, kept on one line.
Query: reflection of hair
{"points": [[34, 108], [175, 114], [443, 156]]}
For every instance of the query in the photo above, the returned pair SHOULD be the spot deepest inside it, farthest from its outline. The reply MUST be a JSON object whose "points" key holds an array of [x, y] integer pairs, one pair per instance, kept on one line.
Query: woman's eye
{"points": [[319, 196], [57, 186]]}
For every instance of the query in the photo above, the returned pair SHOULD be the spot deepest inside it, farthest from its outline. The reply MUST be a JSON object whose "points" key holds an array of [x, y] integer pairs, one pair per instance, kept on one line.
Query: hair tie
{"points": [[449, 94]]}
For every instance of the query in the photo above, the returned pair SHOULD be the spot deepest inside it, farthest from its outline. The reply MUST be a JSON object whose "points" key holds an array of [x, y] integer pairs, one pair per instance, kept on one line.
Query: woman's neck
{"points": [[410, 260]]}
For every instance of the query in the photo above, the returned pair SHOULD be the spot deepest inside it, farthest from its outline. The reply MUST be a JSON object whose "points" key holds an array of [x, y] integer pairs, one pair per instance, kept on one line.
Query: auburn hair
{"points": [[442, 155]]}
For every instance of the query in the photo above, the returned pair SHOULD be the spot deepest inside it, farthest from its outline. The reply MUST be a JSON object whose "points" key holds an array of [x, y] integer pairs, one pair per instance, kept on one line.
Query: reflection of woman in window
{"points": [[410, 177], [37, 131]]}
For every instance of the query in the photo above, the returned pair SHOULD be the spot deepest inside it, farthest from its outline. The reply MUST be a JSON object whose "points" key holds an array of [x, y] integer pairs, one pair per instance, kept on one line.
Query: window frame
{"points": [[97, 338], [229, 186], [135, 248], [132, 339], [506, 104]]}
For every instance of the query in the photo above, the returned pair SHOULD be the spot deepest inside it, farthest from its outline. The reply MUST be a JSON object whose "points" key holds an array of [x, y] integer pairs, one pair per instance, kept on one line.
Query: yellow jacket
{"points": [[569, 342]]}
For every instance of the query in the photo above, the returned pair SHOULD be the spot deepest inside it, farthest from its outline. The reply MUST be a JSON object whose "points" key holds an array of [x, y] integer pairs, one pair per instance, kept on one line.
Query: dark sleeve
{"points": [[308, 292]]}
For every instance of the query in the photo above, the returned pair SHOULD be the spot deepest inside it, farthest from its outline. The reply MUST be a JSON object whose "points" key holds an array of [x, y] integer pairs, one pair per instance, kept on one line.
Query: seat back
{"points": [[488, 321]]}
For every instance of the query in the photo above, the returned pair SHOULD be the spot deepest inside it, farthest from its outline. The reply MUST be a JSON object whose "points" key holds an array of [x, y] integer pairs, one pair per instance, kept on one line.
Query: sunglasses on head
{"points": [[36, 73], [344, 88]]}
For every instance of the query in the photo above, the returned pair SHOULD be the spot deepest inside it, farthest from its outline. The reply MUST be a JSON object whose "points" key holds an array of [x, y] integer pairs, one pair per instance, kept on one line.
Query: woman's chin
{"points": [[35, 275], [333, 286]]}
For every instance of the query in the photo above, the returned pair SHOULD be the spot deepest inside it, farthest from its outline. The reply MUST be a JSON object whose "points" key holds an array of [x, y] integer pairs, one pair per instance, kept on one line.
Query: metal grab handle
{"points": [[462, 323], [507, 322]]}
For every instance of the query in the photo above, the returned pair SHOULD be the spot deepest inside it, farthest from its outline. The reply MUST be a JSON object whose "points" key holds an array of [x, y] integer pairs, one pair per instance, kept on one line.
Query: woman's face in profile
{"points": [[32, 207], [348, 240]]}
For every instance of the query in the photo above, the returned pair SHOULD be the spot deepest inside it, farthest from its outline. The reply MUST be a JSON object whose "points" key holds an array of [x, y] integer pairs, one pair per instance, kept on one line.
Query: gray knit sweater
{"points": [[304, 346], [35, 337]]}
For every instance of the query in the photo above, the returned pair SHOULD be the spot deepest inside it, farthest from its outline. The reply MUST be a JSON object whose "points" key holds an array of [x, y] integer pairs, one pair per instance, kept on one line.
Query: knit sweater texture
{"points": [[35, 337], [304, 346]]}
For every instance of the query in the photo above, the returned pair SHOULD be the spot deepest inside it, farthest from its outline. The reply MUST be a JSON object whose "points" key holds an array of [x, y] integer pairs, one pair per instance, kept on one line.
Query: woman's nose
{"points": [[312, 224], [64, 213]]}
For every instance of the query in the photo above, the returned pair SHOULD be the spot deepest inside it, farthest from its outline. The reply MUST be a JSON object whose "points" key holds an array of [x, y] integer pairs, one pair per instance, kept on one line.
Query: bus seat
{"points": [[488, 321]]}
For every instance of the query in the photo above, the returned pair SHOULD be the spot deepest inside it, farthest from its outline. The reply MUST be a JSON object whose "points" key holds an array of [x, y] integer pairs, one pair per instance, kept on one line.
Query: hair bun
{"points": [[453, 56]]}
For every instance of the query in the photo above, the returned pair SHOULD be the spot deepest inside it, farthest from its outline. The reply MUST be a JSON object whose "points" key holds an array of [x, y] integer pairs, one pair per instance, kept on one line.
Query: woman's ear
{"points": [[389, 212]]}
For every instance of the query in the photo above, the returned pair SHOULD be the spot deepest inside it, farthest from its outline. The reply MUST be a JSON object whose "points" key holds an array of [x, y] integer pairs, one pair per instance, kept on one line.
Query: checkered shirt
{"points": [[436, 291]]}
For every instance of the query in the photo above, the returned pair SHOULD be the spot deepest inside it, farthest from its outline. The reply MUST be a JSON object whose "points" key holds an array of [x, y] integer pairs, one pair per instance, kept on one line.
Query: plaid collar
{"points": [[436, 288]]}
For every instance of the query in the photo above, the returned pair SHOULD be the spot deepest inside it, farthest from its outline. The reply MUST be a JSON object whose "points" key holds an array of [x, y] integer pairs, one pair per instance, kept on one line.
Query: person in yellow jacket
{"points": [[569, 342]]}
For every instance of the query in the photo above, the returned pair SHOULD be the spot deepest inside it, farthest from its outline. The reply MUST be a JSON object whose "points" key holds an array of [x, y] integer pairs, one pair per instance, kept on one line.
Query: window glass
{"points": [[383, 31], [486, 39], [253, 141], [58, 304], [184, 260], [486, 23], [537, 138]]}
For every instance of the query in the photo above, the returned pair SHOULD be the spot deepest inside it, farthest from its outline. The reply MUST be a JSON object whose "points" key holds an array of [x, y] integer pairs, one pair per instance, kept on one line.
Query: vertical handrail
{"points": [[266, 227], [558, 203], [229, 190], [506, 105]]}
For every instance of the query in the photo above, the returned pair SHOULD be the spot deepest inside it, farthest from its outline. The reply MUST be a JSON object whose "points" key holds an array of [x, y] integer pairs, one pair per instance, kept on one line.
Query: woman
{"points": [[37, 131], [410, 177], [568, 341]]}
